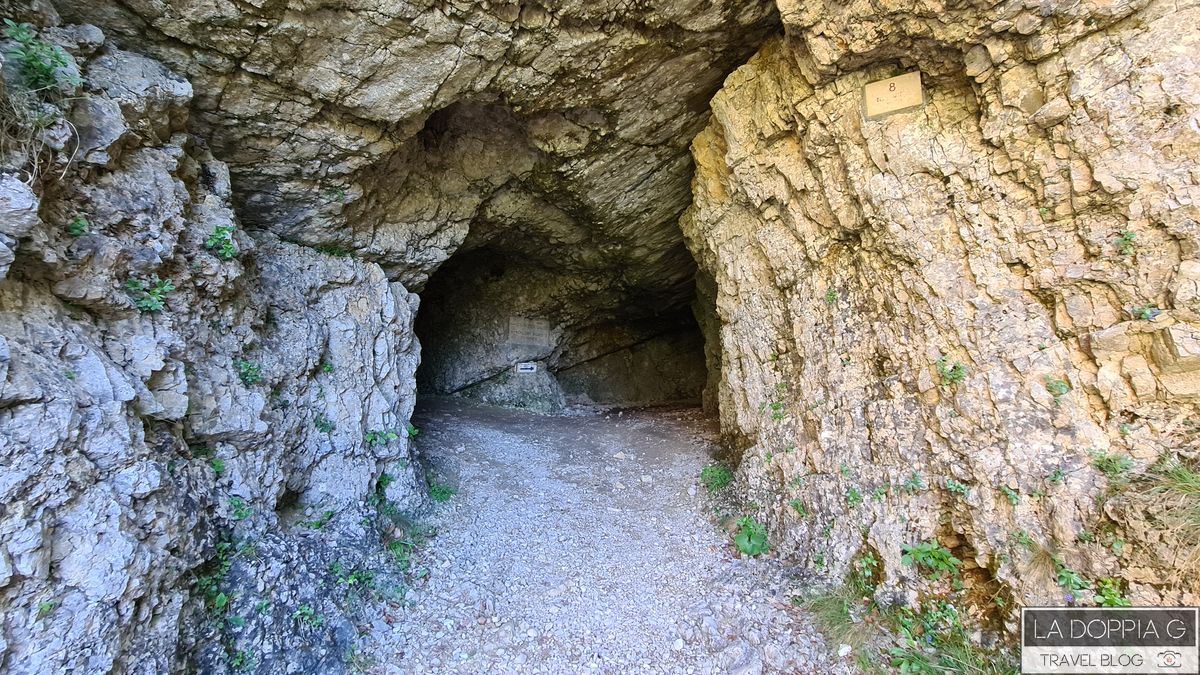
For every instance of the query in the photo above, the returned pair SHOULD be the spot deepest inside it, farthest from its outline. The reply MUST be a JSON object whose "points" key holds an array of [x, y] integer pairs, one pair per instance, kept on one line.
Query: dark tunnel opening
{"points": [[502, 330]]}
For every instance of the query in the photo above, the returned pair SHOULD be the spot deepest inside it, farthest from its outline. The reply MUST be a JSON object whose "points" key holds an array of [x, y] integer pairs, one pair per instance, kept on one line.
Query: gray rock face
{"points": [[550, 135], [936, 325], [173, 389]]}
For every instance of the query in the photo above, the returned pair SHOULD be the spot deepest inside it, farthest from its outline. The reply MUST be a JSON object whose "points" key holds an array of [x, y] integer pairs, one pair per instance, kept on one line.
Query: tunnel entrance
{"points": [[499, 327]]}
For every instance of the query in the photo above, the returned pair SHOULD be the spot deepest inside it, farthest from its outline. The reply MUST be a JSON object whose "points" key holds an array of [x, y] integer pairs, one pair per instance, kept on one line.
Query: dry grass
{"points": [[1173, 491]]}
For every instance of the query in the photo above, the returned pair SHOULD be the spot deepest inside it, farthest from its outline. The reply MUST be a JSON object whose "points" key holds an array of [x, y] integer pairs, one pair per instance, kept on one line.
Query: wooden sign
{"points": [[893, 95]]}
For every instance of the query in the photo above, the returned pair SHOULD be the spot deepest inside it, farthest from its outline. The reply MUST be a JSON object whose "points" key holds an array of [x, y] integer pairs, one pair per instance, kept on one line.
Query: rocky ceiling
{"points": [[555, 132]]}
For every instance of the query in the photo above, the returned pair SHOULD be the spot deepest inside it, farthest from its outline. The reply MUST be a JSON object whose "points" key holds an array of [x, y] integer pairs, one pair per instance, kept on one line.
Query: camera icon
{"points": [[1168, 660]]}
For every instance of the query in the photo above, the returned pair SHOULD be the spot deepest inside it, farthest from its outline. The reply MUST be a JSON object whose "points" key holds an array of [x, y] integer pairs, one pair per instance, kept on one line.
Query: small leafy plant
{"points": [[239, 508], [218, 466], [1115, 467], [327, 367], [78, 226], [751, 538], [411, 430], [248, 372], [440, 492], [308, 616], [913, 484], [324, 425], [716, 477], [1057, 388], [951, 374], [221, 242], [931, 556], [1014, 497], [853, 497], [831, 296], [42, 65], [1056, 476], [380, 437], [1146, 312], [45, 607], [149, 296], [798, 506], [957, 487], [320, 521], [1069, 578], [1126, 242], [1108, 594]]}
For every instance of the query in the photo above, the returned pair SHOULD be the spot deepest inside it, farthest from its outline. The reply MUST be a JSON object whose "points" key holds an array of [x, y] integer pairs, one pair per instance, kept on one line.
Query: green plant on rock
{"points": [[78, 226], [220, 242], [1057, 388], [1024, 540], [308, 616], [957, 487], [831, 296], [248, 372], [951, 374], [1126, 242], [1172, 489], [913, 484], [380, 437], [751, 537], [324, 424], [440, 492], [1014, 497], [853, 497], [242, 661], [149, 296], [1115, 467], [1147, 312], [320, 521], [327, 367], [778, 411], [931, 556], [716, 477], [1108, 594], [412, 431], [1056, 477], [798, 506], [45, 607], [43, 66], [865, 568], [239, 509], [218, 466], [1069, 578]]}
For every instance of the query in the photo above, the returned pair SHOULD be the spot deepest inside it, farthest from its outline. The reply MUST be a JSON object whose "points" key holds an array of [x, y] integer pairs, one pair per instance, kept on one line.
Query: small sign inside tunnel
{"points": [[528, 332], [526, 368]]}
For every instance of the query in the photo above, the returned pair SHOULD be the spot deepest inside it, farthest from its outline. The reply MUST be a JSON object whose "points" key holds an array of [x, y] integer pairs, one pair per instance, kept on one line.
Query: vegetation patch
{"points": [[751, 537], [716, 477]]}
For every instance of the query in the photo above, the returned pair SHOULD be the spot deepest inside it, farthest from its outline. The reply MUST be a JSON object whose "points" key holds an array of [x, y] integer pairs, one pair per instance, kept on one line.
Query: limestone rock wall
{"points": [[1036, 222], [147, 448]]}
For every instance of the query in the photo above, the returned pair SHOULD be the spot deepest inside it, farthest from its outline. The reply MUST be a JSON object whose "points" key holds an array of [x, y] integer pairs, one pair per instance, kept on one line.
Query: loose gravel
{"points": [[579, 543]]}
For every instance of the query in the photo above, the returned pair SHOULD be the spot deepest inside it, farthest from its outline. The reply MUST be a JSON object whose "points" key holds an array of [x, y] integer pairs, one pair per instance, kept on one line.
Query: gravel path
{"points": [[577, 543]]}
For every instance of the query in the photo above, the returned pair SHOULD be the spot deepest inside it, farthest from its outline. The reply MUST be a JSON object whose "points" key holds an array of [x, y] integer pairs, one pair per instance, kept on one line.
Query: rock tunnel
{"points": [[238, 241]]}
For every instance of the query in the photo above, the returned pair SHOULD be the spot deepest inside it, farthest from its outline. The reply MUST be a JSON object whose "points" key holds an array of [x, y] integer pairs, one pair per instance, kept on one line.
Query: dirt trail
{"points": [[577, 543]]}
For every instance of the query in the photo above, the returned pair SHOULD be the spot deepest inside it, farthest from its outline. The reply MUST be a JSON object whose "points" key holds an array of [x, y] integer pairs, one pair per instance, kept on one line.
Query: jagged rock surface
{"points": [[849, 255], [551, 135], [139, 446]]}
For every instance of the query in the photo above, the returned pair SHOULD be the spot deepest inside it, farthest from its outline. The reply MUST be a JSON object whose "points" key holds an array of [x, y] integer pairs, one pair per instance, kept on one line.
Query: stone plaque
{"points": [[893, 95], [526, 368], [528, 332]]}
